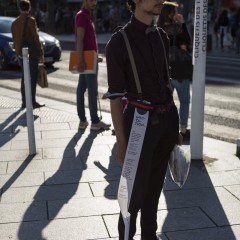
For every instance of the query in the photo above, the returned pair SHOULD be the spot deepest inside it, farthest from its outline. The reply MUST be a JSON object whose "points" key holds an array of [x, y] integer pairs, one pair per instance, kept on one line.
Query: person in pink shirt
{"points": [[86, 40]]}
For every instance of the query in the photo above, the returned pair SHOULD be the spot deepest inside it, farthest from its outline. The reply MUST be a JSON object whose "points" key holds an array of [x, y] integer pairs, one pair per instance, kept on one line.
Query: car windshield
{"points": [[5, 26]]}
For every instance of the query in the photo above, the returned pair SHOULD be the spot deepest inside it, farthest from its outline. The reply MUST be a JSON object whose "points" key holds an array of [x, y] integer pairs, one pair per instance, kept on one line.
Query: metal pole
{"points": [[29, 108], [199, 75]]}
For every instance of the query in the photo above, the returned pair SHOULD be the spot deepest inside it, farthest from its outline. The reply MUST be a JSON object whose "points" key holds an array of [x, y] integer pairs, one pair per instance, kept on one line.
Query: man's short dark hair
{"points": [[24, 5], [131, 5]]}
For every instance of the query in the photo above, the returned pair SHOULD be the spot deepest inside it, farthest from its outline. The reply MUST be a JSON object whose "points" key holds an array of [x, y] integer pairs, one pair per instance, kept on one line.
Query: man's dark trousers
{"points": [[157, 146], [33, 65]]}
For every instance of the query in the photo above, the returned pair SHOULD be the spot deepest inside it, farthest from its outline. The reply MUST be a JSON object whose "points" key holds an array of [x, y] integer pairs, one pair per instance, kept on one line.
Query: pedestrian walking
{"points": [[25, 34], [181, 70], [148, 44], [86, 40], [223, 23]]}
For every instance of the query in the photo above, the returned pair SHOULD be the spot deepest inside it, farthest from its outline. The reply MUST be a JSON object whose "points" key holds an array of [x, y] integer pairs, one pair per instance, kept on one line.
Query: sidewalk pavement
{"points": [[68, 189]]}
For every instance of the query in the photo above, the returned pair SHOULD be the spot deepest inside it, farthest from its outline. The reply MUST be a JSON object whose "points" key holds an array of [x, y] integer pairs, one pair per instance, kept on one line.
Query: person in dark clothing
{"points": [[30, 37], [148, 44], [223, 23], [173, 23]]}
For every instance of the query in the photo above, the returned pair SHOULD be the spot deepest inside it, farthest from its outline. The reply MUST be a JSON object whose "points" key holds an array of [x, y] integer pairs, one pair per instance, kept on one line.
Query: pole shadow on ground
{"points": [[46, 192], [8, 128], [8, 131]]}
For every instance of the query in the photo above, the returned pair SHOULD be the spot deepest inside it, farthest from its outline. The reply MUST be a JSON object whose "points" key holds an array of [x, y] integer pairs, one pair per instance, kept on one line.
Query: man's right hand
{"points": [[81, 66]]}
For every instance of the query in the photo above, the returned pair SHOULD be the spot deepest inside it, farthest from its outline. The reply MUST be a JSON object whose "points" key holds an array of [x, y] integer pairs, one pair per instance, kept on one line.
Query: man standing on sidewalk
{"points": [[86, 40], [148, 44], [25, 34]]}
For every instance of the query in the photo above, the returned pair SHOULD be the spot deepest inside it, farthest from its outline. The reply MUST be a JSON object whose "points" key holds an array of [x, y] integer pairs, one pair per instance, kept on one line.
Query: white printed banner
{"points": [[130, 165]]}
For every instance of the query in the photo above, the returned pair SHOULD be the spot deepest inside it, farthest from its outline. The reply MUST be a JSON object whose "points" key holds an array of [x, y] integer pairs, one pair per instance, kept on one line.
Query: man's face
{"points": [[150, 7], [90, 4]]}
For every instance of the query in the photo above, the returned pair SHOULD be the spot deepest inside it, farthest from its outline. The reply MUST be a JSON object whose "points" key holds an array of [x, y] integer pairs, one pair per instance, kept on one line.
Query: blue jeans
{"points": [[183, 92], [87, 81]]}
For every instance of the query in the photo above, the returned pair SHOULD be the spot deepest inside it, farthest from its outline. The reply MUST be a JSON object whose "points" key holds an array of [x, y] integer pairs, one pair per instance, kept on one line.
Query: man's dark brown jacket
{"points": [[30, 35]]}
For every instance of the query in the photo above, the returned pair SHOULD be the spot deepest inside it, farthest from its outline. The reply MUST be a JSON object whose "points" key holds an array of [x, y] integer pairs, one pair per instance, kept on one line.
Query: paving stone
{"points": [[75, 176], [217, 233], [102, 162], [20, 179], [61, 229], [107, 189], [197, 197], [97, 139], [44, 193], [182, 219], [67, 152], [171, 220], [17, 212], [201, 178], [45, 127], [12, 155], [5, 146], [93, 150], [45, 165], [5, 137], [58, 134], [82, 207], [235, 190], [3, 167], [46, 143], [223, 164], [5, 117], [223, 215], [225, 178]]}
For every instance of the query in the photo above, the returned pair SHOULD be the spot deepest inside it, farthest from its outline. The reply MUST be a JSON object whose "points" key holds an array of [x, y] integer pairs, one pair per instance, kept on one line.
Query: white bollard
{"points": [[238, 148], [28, 97], [199, 75]]}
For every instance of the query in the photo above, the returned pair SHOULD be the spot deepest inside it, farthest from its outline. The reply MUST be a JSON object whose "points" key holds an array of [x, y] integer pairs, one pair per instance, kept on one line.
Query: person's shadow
{"points": [[8, 128], [110, 191], [8, 131], [43, 194], [196, 211]]}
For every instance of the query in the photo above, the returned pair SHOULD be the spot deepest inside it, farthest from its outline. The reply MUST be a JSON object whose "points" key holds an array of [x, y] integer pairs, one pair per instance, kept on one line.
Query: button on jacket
{"points": [[31, 34]]}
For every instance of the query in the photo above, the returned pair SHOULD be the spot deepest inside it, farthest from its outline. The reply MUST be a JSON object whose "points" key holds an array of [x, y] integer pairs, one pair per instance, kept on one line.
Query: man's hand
{"points": [[81, 66], [178, 18]]}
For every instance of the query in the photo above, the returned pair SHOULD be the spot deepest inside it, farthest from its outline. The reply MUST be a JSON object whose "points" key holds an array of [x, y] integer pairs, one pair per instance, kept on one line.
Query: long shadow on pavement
{"points": [[111, 189], [38, 213], [8, 127], [198, 211]]}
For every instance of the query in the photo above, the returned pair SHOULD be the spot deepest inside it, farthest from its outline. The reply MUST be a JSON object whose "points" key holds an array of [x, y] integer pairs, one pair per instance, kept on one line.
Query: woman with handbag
{"points": [[180, 59]]}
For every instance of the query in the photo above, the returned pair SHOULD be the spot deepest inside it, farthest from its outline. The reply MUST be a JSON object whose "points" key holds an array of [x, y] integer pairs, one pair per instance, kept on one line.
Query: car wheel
{"points": [[3, 60]]}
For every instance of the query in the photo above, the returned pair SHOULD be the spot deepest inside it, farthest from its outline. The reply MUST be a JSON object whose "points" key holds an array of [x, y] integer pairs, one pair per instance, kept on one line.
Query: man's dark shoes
{"points": [[186, 135], [37, 105]]}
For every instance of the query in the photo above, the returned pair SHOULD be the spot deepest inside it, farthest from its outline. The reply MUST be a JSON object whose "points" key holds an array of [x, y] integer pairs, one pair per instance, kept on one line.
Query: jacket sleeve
{"points": [[35, 35]]}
